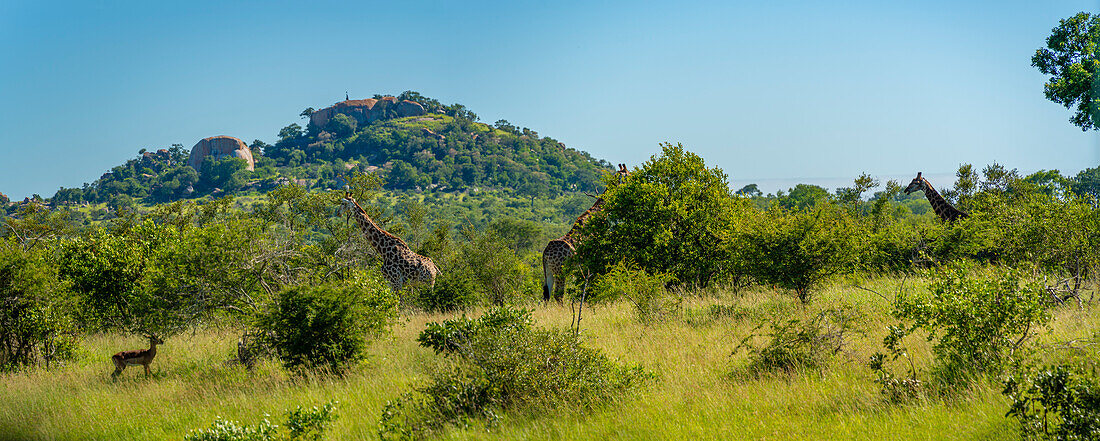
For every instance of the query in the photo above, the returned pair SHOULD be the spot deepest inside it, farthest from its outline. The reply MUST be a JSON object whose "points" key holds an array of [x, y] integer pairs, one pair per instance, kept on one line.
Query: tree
{"points": [[228, 173], [750, 190], [290, 133], [1048, 182], [797, 249], [667, 217], [35, 321], [853, 194], [307, 113], [803, 196], [1087, 182], [503, 124], [106, 270], [258, 147], [1071, 59], [341, 125]]}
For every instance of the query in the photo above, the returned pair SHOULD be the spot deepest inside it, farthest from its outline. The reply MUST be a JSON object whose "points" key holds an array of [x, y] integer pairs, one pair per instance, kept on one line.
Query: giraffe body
{"points": [[400, 265], [561, 249], [553, 262], [943, 209]]}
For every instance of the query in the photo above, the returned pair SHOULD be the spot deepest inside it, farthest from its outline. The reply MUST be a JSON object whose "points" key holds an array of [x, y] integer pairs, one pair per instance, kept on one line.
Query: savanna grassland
{"points": [[702, 389], [671, 307]]}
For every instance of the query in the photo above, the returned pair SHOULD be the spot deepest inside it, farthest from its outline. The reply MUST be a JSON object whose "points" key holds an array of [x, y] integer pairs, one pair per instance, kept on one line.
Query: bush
{"points": [[796, 344], [669, 217], [453, 291], [500, 362], [798, 250], [978, 324], [452, 336], [1059, 403], [35, 321], [328, 325], [303, 424], [646, 292], [493, 265]]}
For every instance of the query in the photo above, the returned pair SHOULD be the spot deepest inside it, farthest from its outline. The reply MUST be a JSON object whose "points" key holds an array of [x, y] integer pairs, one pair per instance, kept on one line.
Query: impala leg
{"points": [[118, 368], [146, 369]]}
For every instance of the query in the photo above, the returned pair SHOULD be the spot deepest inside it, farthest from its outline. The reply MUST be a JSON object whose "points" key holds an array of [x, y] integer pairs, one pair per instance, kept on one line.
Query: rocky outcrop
{"points": [[409, 108], [218, 147], [368, 110]]}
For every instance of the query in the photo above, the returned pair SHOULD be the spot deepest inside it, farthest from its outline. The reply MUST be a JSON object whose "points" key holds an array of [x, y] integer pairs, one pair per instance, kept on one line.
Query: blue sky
{"points": [[773, 92]]}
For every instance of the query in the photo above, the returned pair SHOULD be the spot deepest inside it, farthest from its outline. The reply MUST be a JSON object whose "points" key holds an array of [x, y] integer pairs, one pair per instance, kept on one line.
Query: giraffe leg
{"points": [[559, 289], [547, 280]]}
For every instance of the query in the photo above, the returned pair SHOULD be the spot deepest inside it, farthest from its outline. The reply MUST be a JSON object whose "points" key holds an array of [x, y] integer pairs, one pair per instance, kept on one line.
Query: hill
{"points": [[414, 142]]}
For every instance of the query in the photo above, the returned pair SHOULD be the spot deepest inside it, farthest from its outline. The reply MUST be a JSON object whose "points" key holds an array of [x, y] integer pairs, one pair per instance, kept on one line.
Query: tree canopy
{"points": [[1070, 58]]}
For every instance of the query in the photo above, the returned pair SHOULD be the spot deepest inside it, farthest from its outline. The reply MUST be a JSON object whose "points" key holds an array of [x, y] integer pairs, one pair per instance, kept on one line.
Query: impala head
{"points": [[918, 184], [154, 340]]}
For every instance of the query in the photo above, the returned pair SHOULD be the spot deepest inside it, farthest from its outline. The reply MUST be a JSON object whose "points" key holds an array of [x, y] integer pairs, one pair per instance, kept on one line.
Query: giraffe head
{"points": [[622, 172], [918, 184], [348, 204]]}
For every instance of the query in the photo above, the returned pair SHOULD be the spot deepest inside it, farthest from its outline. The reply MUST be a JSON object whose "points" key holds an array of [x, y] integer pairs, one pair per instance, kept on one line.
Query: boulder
{"points": [[218, 147], [358, 109], [366, 111], [409, 108]]}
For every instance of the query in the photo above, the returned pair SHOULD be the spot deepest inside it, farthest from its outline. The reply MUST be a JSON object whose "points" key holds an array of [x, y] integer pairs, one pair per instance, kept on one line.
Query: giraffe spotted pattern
{"points": [[943, 209], [400, 265]]}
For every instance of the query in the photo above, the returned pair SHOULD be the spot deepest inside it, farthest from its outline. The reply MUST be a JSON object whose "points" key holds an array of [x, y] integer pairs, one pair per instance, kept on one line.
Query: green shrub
{"points": [[668, 216], [896, 388], [491, 263], [798, 250], [328, 325], [452, 336], [796, 344], [500, 362], [978, 324], [36, 324], [453, 291], [646, 292], [890, 248], [303, 424], [1059, 403]]}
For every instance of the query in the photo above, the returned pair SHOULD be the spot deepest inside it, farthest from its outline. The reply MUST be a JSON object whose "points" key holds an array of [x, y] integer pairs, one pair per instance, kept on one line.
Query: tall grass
{"points": [[696, 395]]}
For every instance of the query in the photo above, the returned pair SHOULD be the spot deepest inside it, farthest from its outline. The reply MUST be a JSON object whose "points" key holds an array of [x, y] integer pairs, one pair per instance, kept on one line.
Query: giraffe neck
{"points": [[571, 236], [380, 239], [943, 209]]}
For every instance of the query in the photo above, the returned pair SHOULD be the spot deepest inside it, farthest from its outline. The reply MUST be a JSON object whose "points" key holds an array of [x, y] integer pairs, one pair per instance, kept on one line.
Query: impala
{"points": [[136, 357]]}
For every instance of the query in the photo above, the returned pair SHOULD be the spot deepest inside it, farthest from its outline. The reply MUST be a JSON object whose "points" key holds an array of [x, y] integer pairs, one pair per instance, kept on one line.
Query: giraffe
{"points": [[399, 263], [943, 209], [559, 250]]}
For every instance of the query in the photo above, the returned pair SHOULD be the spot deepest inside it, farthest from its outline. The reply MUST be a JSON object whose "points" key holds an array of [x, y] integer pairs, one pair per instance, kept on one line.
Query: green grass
{"points": [[696, 395]]}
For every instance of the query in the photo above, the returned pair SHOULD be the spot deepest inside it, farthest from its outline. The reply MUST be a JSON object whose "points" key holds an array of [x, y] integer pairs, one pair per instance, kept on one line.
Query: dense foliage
{"points": [[501, 362], [668, 216], [978, 325], [328, 325], [1070, 58], [1057, 403], [36, 312], [302, 424]]}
